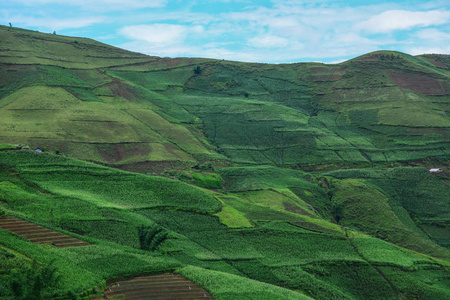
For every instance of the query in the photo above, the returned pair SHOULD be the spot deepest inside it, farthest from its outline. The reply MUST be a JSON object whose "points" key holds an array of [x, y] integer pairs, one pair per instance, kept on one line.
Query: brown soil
{"points": [[113, 153], [120, 89], [174, 62], [419, 84], [165, 286], [435, 62], [38, 234], [295, 209]]}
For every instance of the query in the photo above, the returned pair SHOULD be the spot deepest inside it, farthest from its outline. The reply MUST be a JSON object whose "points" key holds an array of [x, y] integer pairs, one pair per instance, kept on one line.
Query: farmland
{"points": [[301, 249], [253, 181]]}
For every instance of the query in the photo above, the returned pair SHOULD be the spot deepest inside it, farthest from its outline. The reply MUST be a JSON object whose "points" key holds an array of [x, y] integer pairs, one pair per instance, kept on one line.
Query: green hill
{"points": [[292, 181], [103, 104]]}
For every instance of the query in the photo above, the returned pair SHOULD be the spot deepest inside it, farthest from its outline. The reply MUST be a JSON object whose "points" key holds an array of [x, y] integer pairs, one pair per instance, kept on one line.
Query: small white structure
{"points": [[435, 171]]}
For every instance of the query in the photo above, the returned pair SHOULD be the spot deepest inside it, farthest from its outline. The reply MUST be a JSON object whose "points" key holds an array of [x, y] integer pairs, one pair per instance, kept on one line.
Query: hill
{"points": [[143, 224], [95, 102], [293, 181]]}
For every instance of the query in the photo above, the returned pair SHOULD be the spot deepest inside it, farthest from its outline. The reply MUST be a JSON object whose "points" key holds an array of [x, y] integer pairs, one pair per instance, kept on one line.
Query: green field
{"points": [[256, 181], [284, 243]]}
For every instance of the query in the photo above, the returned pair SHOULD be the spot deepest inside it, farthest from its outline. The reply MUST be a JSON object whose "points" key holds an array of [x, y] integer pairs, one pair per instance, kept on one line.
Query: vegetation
{"points": [[300, 181]]}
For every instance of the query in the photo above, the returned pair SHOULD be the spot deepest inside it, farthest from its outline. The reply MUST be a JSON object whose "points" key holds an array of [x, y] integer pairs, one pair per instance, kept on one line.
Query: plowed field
{"points": [[38, 234], [164, 286]]}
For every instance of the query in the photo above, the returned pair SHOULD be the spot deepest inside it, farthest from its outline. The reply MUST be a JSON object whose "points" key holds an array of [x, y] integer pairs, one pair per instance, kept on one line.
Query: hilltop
{"points": [[290, 181], [133, 111]]}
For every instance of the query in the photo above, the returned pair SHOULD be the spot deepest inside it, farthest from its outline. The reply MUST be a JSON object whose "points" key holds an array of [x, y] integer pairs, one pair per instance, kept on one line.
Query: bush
{"points": [[197, 70], [35, 283]]}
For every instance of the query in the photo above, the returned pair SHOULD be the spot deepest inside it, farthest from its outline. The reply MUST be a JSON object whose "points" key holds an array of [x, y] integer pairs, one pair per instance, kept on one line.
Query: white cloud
{"points": [[428, 50], [268, 41], [99, 5], [159, 49], [250, 30], [161, 33], [401, 20], [433, 35], [57, 24]]}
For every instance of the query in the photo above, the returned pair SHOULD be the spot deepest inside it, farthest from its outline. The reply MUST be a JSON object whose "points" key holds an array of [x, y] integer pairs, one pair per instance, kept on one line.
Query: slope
{"points": [[148, 114], [157, 225]]}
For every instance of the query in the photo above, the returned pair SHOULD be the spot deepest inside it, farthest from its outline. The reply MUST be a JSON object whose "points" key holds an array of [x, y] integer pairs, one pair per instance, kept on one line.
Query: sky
{"points": [[264, 31]]}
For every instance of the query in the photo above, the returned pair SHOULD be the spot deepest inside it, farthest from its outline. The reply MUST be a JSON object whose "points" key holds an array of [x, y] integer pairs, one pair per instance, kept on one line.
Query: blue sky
{"points": [[267, 31]]}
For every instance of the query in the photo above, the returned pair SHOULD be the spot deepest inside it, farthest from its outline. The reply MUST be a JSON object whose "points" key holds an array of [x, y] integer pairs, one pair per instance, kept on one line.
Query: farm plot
{"points": [[164, 286], [38, 234]]}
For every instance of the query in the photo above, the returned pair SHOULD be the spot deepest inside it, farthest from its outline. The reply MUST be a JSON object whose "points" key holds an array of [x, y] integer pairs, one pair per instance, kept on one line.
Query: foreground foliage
{"points": [[288, 247]]}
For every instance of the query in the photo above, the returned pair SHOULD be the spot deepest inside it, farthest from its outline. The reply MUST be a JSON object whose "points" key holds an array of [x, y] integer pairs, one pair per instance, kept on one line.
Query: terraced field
{"points": [[301, 181], [165, 286], [38, 234]]}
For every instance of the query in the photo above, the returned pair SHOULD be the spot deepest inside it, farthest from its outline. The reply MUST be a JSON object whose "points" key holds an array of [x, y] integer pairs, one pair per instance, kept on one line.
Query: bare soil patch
{"points": [[419, 84], [295, 209], [39, 234], [164, 286]]}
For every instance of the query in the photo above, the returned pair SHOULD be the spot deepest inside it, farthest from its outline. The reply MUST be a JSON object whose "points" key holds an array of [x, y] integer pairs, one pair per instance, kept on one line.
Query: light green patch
{"points": [[228, 286], [232, 217], [418, 114]]}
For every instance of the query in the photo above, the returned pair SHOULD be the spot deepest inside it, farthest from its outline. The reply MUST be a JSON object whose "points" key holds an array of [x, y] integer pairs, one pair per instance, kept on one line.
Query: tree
{"points": [[35, 283], [197, 70]]}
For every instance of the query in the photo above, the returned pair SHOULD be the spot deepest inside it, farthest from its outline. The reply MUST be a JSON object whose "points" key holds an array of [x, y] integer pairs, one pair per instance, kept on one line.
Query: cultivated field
{"points": [[231, 180]]}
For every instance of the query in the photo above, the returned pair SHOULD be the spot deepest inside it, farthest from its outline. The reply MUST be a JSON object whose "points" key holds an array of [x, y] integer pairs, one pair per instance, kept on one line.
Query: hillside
{"points": [[255, 181], [95, 102]]}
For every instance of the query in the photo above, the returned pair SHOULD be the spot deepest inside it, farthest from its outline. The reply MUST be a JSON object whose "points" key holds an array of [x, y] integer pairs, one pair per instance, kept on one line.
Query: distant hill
{"points": [[99, 103]]}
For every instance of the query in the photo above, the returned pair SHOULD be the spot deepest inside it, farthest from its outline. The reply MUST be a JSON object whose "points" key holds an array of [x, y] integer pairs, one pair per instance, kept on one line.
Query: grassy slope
{"points": [[94, 102], [136, 110], [73, 106], [283, 247]]}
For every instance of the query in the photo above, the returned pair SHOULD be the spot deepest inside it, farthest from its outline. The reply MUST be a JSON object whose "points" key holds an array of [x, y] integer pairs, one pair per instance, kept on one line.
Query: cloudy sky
{"points": [[269, 31]]}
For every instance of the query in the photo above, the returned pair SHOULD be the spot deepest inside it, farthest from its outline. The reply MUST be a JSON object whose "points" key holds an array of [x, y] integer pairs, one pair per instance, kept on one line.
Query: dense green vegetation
{"points": [[134, 111], [300, 181], [293, 246]]}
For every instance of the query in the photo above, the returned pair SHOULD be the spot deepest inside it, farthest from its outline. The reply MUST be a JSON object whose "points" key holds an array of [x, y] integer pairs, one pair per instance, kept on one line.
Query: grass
{"points": [[398, 195], [255, 242], [227, 286], [287, 115], [275, 226]]}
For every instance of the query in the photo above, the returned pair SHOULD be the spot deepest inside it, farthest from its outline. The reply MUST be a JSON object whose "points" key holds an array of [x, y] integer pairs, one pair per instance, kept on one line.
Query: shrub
{"points": [[197, 70], [35, 283], [2, 213]]}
